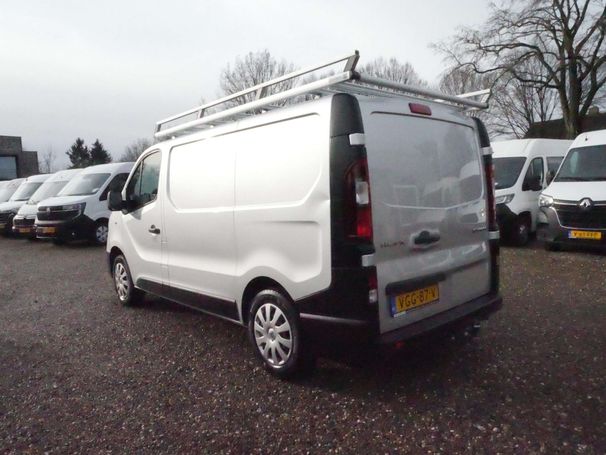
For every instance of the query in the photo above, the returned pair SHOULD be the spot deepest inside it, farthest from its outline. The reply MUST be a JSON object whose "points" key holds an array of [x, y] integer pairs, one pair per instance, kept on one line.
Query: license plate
{"points": [[24, 230], [588, 235], [2, 225], [47, 230], [415, 299]]}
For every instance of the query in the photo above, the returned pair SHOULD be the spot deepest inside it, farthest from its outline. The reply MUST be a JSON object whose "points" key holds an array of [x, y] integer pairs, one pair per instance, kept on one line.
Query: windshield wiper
{"points": [[573, 179]]}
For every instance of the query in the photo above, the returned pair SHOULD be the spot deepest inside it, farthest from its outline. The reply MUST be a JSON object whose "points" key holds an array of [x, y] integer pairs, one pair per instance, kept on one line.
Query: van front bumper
{"points": [[505, 218], [24, 227], [78, 228], [550, 231]]}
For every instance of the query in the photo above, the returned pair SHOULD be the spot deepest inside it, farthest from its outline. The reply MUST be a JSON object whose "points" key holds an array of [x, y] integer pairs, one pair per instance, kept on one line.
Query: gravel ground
{"points": [[81, 374]]}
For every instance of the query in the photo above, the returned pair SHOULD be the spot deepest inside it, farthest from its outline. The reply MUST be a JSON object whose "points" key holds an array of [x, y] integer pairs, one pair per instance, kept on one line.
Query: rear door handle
{"points": [[153, 229], [426, 238]]}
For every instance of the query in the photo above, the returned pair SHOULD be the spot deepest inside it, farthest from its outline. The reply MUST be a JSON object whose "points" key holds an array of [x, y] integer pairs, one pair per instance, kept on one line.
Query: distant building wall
{"points": [[14, 162], [555, 129]]}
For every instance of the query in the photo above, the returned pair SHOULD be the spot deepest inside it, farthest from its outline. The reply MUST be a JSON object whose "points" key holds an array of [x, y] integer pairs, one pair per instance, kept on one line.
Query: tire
{"points": [[126, 292], [59, 242], [551, 246], [99, 236], [276, 336], [520, 232]]}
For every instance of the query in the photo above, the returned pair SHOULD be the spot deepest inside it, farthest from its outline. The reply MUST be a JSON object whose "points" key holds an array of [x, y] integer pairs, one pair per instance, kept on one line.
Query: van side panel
{"points": [[282, 204]]}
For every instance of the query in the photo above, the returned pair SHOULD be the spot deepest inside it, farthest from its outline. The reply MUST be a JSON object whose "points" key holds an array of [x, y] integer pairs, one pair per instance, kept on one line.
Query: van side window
{"points": [[553, 163], [116, 184], [534, 175], [143, 186]]}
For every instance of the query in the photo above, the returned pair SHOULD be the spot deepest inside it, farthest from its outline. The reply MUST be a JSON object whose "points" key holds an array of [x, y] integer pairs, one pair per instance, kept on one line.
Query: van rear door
{"points": [[429, 211]]}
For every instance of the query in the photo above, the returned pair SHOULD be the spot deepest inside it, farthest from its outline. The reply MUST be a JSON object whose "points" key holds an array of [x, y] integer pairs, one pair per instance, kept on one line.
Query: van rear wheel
{"points": [[276, 336], [123, 283]]}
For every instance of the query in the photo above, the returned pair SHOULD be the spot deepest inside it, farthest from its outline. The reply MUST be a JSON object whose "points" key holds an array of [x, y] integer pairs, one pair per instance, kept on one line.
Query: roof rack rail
{"points": [[348, 80]]}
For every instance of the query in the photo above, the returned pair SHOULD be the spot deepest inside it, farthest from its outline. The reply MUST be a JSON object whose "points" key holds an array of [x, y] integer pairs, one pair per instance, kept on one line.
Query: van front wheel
{"points": [[123, 283], [100, 232], [275, 333]]}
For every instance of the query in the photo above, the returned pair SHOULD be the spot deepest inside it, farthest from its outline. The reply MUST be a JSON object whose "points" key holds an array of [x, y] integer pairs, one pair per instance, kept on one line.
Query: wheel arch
{"points": [[255, 286], [113, 254]]}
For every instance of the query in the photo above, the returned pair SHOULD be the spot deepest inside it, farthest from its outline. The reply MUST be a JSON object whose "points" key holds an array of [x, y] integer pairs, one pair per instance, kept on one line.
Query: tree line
{"points": [[540, 58]]}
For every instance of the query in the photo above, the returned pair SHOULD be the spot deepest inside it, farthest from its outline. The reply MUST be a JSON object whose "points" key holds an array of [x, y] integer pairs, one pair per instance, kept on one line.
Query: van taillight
{"points": [[492, 208], [358, 213]]}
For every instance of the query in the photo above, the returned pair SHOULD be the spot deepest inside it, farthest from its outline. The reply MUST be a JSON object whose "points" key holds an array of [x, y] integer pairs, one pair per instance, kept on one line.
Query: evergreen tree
{"points": [[98, 154], [79, 154]]}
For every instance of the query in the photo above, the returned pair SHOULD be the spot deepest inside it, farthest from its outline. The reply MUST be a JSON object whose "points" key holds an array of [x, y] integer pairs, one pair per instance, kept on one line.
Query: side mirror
{"points": [[115, 202], [550, 176]]}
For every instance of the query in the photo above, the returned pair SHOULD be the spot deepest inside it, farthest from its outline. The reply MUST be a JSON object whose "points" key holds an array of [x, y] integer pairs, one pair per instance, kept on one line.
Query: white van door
{"points": [[429, 215], [143, 222], [199, 217], [532, 185]]}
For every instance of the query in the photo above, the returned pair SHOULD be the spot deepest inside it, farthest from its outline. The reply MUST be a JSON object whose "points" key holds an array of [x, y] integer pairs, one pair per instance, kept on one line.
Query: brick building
{"points": [[14, 161]]}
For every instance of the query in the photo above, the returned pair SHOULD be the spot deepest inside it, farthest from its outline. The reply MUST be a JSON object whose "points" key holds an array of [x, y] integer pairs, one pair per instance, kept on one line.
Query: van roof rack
{"points": [[347, 80]]}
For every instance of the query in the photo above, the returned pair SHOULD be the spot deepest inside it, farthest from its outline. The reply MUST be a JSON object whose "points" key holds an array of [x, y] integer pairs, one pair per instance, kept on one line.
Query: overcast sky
{"points": [[110, 69]]}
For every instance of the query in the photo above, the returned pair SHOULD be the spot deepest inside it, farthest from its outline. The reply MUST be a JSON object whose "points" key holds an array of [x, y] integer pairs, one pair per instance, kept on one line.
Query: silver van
{"points": [[367, 213]]}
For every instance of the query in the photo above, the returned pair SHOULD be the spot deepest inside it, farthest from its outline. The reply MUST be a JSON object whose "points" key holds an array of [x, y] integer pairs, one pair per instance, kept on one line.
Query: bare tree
{"points": [[47, 163], [564, 37], [391, 69], [135, 149], [514, 106], [253, 69]]}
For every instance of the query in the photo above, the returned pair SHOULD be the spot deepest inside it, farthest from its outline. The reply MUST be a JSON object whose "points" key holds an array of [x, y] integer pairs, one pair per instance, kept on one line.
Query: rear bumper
{"points": [[356, 331], [480, 308], [78, 228]]}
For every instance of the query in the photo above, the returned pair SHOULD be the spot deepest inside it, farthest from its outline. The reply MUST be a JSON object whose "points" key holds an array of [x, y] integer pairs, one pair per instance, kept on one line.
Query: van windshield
{"points": [[6, 191], [25, 191], [507, 171], [584, 164], [47, 190], [84, 185]]}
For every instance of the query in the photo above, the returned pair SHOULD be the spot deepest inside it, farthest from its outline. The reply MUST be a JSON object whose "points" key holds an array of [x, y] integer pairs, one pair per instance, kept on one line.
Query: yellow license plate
{"points": [[47, 230], [25, 230], [2, 225], [590, 235], [415, 299]]}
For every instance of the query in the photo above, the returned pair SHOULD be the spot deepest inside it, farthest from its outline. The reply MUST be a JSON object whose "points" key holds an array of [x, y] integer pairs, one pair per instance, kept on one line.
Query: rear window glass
{"points": [[425, 163]]}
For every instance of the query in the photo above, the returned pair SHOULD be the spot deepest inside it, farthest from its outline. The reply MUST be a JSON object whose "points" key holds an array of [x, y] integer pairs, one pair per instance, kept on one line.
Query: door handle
{"points": [[426, 238], [153, 229]]}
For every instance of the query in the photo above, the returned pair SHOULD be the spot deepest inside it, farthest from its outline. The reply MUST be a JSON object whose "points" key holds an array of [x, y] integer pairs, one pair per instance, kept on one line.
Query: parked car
{"points": [[9, 209], [79, 211], [573, 206], [23, 222], [7, 188], [350, 216], [523, 168]]}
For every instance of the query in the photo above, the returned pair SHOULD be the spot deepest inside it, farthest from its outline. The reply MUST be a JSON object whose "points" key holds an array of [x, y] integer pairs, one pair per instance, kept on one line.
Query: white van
{"points": [[23, 222], [523, 168], [8, 187], [573, 206], [356, 216], [79, 211], [9, 209]]}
